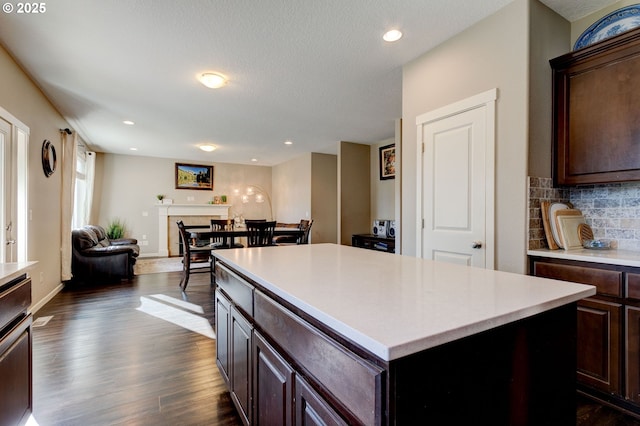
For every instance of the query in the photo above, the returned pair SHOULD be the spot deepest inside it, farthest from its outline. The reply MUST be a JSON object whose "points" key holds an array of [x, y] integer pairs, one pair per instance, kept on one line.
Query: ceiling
{"points": [[311, 72]]}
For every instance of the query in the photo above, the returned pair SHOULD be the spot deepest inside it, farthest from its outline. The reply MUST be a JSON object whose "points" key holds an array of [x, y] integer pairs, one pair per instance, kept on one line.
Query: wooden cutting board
{"points": [[563, 212], [585, 233], [569, 230], [544, 210], [548, 222]]}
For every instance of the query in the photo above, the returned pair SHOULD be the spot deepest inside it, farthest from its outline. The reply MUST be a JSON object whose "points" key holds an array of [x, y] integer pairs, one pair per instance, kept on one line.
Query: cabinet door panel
{"points": [[15, 374], [590, 86], [223, 317], [273, 381], [311, 409], [598, 359], [633, 354], [240, 357]]}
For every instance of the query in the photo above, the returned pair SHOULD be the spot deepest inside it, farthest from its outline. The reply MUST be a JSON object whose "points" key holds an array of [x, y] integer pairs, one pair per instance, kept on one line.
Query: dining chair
{"points": [[304, 226], [193, 257], [223, 242], [260, 233]]}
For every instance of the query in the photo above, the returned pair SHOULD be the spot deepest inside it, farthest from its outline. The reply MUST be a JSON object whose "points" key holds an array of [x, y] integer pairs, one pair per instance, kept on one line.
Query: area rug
{"points": [[154, 265]]}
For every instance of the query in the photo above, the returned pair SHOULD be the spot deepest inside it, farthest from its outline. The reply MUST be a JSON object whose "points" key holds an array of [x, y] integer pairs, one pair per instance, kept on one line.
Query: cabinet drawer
{"points": [[15, 299], [239, 290], [633, 286], [353, 382], [607, 282]]}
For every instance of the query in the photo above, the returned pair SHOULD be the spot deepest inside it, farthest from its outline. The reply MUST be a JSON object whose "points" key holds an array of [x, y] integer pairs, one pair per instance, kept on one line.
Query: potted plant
{"points": [[160, 197], [115, 229]]}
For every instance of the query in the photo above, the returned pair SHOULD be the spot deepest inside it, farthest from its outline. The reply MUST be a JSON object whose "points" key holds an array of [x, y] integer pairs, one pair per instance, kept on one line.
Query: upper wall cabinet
{"points": [[596, 112]]}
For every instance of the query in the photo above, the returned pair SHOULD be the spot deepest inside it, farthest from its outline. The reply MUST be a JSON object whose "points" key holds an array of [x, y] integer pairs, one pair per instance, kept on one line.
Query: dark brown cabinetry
{"points": [[608, 332], [263, 383], [15, 351], [596, 99], [371, 242], [233, 352]]}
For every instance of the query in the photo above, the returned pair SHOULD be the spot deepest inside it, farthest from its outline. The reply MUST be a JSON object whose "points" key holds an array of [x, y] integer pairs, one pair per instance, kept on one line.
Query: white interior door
{"points": [[5, 192], [14, 152], [456, 183]]}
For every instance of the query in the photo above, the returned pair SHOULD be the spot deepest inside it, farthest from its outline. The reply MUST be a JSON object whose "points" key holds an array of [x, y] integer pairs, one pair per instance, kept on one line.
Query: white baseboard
{"points": [[35, 308]]}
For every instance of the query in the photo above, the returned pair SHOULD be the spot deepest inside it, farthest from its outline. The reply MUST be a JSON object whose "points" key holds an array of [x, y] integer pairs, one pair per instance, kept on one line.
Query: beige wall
{"points": [[22, 98], [354, 188], [472, 62], [324, 198], [126, 188], [306, 188], [382, 191], [292, 199], [544, 45]]}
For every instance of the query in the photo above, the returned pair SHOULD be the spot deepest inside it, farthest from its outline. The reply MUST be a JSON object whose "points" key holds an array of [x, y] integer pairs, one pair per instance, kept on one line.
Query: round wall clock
{"points": [[49, 159]]}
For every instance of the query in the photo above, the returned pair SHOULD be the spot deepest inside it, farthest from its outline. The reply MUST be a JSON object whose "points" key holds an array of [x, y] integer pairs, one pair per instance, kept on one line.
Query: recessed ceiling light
{"points": [[133, 149], [128, 122], [254, 159], [288, 143], [212, 80], [392, 35], [208, 147]]}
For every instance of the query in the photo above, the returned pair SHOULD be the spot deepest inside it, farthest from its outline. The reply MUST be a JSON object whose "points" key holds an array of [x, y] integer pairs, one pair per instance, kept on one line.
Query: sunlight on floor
{"points": [[178, 302], [177, 316]]}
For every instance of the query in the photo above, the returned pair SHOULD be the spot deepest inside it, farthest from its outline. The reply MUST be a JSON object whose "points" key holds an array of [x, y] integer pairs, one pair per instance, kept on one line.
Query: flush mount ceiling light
{"points": [[392, 35], [212, 80], [207, 147], [128, 122]]}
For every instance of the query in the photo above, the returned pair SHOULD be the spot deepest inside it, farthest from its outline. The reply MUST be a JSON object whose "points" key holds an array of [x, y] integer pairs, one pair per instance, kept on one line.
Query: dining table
{"points": [[200, 234]]}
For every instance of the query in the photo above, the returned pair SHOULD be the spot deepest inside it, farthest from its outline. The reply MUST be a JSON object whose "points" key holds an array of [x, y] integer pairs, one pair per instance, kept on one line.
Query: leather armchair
{"points": [[96, 258]]}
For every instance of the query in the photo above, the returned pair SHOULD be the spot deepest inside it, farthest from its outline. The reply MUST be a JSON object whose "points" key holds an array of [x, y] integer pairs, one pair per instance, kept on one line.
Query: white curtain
{"points": [[83, 200], [67, 194]]}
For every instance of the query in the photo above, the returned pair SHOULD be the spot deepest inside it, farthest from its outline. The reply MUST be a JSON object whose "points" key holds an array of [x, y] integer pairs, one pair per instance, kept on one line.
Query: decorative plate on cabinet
{"points": [[617, 22]]}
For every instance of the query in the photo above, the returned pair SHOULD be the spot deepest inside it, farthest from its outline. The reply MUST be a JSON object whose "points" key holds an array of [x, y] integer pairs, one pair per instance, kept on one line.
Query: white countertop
{"points": [[9, 271], [612, 257], [392, 305]]}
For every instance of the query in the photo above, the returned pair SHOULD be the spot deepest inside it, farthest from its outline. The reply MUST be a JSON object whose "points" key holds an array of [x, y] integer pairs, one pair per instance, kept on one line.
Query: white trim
{"points": [[458, 107], [488, 100], [167, 210]]}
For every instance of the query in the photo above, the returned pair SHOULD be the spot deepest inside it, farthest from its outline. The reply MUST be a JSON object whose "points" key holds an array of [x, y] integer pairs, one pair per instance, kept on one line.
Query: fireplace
{"points": [[168, 214]]}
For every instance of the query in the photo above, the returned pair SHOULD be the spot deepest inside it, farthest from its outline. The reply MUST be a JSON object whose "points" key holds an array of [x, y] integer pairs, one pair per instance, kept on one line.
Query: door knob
{"points": [[476, 244]]}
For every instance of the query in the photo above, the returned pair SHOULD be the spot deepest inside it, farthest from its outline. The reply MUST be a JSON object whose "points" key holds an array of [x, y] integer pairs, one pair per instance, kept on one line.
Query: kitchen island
{"points": [[352, 336]]}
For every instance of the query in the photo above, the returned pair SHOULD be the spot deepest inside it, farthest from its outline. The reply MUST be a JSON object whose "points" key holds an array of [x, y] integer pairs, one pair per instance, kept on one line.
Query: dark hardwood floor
{"points": [[101, 360], [114, 355]]}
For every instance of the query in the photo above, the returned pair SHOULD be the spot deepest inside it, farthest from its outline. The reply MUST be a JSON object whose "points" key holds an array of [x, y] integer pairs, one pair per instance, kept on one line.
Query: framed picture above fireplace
{"points": [[194, 176]]}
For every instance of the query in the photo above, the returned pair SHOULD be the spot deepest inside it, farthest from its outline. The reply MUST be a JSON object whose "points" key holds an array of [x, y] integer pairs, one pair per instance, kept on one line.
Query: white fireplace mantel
{"points": [[167, 210]]}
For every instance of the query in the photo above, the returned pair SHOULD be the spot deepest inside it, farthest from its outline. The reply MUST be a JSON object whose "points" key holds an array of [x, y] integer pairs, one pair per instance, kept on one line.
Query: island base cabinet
{"points": [[598, 352], [522, 373]]}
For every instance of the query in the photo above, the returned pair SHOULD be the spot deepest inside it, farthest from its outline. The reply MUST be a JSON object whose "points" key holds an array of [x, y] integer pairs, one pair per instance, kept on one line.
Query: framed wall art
{"points": [[194, 176], [388, 162]]}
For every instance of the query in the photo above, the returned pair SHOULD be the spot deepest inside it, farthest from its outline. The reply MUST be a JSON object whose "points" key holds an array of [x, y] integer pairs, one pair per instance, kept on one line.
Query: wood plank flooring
{"points": [[102, 361]]}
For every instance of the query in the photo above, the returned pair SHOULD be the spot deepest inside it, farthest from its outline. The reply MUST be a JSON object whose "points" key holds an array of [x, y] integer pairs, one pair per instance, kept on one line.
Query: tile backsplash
{"points": [[612, 210]]}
